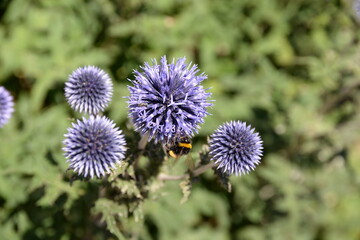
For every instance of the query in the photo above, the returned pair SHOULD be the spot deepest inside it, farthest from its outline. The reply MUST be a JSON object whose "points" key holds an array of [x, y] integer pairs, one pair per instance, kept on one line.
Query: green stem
{"points": [[141, 146], [195, 173]]}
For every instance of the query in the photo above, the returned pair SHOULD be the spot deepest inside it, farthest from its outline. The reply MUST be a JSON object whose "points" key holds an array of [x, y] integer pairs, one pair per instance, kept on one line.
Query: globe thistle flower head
{"points": [[235, 148], [6, 106], [88, 90], [168, 100], [93, 146]]}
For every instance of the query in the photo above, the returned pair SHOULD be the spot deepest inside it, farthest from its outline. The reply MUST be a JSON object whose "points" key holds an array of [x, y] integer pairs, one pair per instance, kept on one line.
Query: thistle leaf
{"points": [[111, 212], [185, 186], [127, 187]]}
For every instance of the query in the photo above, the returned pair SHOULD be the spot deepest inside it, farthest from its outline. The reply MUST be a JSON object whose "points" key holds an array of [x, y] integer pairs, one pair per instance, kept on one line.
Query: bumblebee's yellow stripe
{"points": [[172, 154], [185, 145]]}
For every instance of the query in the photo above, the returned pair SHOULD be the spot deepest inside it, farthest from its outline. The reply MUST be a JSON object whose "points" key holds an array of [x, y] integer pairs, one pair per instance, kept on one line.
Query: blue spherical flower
{"points": [[88, 90], [235, 148], [167, 100], [94, 145], [6, 106]]}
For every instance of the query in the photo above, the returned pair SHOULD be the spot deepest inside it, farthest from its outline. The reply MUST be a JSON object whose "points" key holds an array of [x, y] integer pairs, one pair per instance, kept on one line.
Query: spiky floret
{"points": [[236, 148], [6, 106], [93, 146], [168, 100], [88, 90]]}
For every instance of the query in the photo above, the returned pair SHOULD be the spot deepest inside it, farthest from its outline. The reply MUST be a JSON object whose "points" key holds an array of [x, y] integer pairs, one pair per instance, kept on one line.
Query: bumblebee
{"points": [[178, 146]]}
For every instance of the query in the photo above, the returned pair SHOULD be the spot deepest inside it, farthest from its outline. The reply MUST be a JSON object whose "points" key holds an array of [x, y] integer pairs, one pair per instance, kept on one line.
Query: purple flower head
{"points": [[167, 100], [88, 90], [236, 148], [6, 106], [94, 145]]}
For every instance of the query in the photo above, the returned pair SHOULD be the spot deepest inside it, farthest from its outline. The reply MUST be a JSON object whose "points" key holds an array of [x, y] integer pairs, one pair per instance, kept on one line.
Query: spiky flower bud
{"points": [[88, 90], [235, 148], [94, 145], [6, 106]]}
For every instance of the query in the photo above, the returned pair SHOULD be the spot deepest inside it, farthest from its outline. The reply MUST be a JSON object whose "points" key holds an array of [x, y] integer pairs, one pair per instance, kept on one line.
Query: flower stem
{"points": [[143, 141], [141, 146], [195, 173], [202, 169]]}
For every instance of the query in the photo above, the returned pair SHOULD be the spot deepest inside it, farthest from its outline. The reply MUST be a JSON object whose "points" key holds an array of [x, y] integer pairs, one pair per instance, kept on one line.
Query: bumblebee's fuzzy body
{"points": [[178, 147]]}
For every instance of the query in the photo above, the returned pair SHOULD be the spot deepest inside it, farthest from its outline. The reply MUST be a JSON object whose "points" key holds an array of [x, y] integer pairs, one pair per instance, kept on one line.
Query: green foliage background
{"points": [[290, 68]]}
